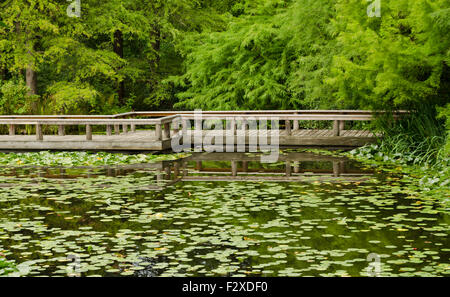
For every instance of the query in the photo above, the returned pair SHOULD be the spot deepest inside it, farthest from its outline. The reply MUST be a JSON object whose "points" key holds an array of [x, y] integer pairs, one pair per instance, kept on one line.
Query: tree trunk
{"points": [[31, 80], [118, 49], [156, 48]]}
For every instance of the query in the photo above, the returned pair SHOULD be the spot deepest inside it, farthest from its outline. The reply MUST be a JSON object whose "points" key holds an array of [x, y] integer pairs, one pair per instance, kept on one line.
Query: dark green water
{"points": [[143, 223]]}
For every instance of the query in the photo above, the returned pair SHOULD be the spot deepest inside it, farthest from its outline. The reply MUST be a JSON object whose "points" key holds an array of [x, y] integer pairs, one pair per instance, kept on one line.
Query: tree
{"points": [[397, 60]]}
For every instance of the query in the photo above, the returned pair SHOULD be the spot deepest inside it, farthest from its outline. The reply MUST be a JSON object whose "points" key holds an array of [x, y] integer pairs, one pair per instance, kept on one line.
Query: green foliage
{"points": [[391, 61], [6, 267], [14, 98], [81, 63], [432, 178], [417, 137], [262, 61], [444, 113]]}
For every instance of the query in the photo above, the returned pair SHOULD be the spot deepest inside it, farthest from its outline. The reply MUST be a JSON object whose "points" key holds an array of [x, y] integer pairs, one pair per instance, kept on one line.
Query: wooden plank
{"points": [[85, 145]]}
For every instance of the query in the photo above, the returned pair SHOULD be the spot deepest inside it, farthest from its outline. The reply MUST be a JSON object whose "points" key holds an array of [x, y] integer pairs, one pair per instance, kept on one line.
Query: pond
{"points": [[220, 215]]}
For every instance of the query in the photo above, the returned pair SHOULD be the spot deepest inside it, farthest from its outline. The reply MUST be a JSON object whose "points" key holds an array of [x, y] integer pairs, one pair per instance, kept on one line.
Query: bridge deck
{"points": [[148, 140]]}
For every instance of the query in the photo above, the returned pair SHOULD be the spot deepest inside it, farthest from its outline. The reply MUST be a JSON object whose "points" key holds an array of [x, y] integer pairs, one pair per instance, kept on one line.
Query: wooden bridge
{"points": [[154, 131]]}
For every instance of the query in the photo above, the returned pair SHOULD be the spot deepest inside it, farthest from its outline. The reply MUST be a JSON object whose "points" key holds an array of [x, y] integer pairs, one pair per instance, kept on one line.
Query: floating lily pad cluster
{"points": [[68, 159]]}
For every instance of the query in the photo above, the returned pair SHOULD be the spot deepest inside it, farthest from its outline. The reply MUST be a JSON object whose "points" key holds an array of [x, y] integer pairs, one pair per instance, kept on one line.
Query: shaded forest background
{"points": [[229, 54]]}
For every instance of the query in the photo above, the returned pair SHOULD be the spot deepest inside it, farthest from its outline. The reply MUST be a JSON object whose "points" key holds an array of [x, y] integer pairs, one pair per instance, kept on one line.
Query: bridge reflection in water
{"points": [[291, 167]]}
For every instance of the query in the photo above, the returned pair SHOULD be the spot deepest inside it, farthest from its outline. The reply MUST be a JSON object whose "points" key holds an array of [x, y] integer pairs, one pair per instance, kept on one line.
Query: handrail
{"points": [[299, 117], [210, 112], [162, 125]]}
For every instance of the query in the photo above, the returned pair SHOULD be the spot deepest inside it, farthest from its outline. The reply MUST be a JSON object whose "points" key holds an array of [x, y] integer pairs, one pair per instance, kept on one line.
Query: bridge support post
{"points": [[61, 130], [336, 127], [88, 132], [39, 134], [288, 169], [245, 166], [12, 130], [336, 169], [234, 168]]}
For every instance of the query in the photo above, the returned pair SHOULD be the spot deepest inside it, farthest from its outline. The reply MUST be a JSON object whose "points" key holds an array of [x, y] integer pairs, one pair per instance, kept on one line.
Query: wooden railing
{"points": [[291, 121], [162, 125], [164, 121]]}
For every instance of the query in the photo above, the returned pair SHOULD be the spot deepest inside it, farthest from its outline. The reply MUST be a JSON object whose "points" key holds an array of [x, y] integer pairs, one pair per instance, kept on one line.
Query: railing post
{"points": [[117, 129], [166, 133], [176, 127], [88, 132], [185, 123], [288, 127], [12, 130], [341, 125], [61, 130], [133, 128], [336, 131], [158, 132], [39, 134], [108, 130], [296, 126], [125, 128], [233, 126]]}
